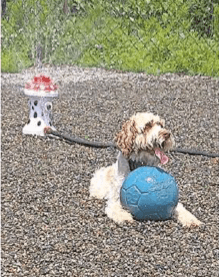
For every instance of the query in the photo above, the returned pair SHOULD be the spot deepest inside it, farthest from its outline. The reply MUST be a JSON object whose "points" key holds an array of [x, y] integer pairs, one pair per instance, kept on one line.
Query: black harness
{"points": [[133, 165]]}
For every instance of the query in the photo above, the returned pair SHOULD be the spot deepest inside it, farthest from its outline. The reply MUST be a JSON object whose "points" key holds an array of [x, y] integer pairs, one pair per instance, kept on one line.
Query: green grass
{"points": [[151, 36]]}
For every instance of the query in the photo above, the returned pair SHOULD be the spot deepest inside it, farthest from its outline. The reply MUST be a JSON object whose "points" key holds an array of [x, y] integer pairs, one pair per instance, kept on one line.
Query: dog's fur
{"points": [[140, 139]]}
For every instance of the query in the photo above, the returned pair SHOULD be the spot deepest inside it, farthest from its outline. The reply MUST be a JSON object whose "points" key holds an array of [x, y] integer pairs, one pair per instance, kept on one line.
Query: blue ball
{"points": [[149, 193]]}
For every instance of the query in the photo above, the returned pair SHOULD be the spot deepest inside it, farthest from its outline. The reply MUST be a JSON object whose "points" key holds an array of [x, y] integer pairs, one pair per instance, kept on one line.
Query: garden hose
{"points": [[49, 131]]}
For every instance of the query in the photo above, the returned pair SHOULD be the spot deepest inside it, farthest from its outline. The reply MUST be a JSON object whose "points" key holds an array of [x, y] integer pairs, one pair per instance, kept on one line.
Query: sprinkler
{"points": [[40, 91]]}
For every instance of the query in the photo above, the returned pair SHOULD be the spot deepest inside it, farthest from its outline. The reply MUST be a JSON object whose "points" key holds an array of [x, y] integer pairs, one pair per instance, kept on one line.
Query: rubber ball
{"points": [[149, 193]]}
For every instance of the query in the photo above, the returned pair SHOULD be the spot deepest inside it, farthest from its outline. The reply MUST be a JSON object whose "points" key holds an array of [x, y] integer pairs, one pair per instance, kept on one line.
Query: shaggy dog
{"points": [[142, 142]]}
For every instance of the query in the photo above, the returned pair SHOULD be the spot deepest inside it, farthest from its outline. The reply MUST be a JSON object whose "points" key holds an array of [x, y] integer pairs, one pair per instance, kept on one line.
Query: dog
{"points": [[142, 141]]}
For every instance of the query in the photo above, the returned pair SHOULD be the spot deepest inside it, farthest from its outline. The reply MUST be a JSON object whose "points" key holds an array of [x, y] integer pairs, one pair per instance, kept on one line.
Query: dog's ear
{"points": [[126, 138]]}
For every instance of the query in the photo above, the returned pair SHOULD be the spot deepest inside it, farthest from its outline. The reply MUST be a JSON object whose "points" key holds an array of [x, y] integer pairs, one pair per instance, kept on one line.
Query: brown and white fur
{"points": [[141, 141]]}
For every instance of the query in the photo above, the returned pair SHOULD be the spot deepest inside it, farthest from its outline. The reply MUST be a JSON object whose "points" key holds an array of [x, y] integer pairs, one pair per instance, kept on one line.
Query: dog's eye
{"points": [[166, 135]]}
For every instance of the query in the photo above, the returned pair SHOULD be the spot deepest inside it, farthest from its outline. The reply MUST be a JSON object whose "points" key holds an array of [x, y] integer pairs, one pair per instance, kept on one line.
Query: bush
{"points": [[153, 36]]}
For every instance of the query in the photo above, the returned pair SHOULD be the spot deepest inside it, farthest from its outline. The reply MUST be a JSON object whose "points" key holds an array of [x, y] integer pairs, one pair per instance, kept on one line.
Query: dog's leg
{"points": [[185, 217], [115, 211], [101, 182], [106, 183]]}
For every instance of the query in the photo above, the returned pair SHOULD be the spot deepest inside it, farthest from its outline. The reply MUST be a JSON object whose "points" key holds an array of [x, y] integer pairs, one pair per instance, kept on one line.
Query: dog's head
{"points": [[143, 139]]}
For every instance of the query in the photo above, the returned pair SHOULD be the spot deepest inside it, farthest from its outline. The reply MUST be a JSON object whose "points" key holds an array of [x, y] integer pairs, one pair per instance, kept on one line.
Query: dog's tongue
{"points": [[163, 158]]}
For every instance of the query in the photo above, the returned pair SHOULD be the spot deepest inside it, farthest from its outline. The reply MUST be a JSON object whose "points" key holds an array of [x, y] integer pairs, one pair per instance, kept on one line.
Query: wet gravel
{"points": [[50, 226]]}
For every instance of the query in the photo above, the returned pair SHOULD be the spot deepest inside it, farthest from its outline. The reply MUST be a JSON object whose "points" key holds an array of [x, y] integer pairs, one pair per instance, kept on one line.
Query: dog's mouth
{"points": [[133, 164], [162, 157]]}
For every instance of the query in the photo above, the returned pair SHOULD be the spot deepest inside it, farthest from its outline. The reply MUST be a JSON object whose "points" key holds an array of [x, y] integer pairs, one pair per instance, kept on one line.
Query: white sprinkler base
{"points": [[40, 108]]}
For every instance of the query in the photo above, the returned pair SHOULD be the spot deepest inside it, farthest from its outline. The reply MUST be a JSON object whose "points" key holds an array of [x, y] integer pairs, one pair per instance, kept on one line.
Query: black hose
{"points": [[97, 144], [195, 152], [85, 142]]}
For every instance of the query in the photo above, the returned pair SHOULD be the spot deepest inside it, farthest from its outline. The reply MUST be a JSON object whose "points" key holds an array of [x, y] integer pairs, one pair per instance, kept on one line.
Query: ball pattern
{"points": [[149, 193]]}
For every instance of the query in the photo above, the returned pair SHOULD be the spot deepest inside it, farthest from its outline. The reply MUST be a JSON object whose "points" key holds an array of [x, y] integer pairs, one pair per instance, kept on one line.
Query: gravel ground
{"points": [[50, 226]]}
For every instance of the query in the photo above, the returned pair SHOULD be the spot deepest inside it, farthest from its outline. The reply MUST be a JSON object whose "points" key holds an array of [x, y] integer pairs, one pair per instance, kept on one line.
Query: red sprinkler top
{"points": [[41, 83]]}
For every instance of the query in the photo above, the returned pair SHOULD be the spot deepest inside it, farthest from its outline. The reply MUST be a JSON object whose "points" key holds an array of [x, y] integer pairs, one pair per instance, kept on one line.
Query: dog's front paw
{"points": [[185, 217], [191, 222], [125, 216], [117, 213]]}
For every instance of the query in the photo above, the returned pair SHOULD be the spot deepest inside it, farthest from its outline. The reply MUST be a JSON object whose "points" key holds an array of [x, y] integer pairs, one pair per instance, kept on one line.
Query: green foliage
{"points": [[138, 35], [201, 14], [13, 61], [216, 22], [159, 52]]}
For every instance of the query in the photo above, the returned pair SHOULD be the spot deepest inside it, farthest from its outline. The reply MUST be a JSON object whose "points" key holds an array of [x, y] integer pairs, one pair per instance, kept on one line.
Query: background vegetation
{"points": [[155, 36]]}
